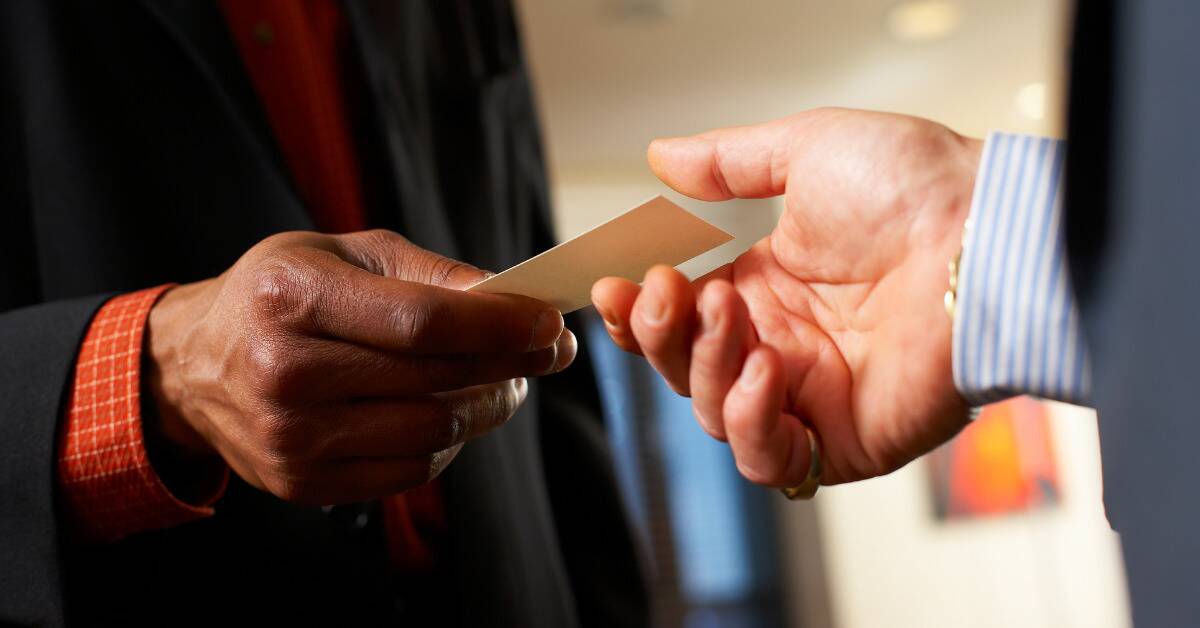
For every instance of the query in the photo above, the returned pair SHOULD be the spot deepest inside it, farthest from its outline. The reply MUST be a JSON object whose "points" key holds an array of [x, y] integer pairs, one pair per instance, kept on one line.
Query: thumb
{"points": [[389, 254], [735, 162]]}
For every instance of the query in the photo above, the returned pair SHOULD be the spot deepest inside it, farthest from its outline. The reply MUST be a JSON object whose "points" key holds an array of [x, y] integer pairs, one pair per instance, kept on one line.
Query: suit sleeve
{"points": [[1017, 329], [40, 345], [86, 477]]}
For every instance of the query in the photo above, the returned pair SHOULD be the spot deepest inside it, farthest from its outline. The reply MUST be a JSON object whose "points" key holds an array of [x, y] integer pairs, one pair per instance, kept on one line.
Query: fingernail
{"points": [[752, 372], [654, 308], [608, 318], [568, 346], [546, 329]]}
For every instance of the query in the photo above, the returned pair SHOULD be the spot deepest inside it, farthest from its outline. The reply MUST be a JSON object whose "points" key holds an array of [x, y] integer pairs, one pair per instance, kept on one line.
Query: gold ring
{"points": [[812, 481]]}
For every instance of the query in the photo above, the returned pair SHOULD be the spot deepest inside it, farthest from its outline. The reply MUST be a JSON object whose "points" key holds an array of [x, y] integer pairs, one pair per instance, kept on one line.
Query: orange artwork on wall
{"points": [[1003, 462]]}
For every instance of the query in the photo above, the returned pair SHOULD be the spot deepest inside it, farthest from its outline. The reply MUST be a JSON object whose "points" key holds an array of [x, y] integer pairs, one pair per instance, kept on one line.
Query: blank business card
{"points": [[655, 232]]}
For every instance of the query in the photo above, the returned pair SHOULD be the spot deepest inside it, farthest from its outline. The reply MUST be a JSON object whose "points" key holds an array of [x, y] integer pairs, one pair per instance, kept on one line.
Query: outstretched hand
{"points": [[836, 318]]}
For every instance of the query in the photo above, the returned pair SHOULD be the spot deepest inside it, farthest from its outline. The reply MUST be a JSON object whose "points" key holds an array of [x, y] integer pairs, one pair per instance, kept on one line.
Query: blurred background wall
{"points": [[613, 74]]}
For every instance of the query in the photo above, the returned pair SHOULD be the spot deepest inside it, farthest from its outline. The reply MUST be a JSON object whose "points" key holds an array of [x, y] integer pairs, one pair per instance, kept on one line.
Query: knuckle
{"points": [[384, 238], [431, 268], [879, 462], [417, 319], [284, 240], [504, 401], [386, 251], [459, 419], [442, 270], [285, 443], [274, 369], [709, 360], [283, 289], [411, 262], [275, 444], [709, 357]]}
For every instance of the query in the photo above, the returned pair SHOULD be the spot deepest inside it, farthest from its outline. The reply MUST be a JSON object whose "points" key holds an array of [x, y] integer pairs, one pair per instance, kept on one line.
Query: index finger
{"points": [[333, 298]]}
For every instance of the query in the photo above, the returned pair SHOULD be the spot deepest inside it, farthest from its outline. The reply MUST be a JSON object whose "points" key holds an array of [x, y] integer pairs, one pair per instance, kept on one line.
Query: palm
{"points": [[849, 285]]}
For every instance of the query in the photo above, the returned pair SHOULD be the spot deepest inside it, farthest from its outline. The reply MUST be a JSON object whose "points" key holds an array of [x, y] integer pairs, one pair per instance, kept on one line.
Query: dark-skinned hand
{"points": [[330, 369]]}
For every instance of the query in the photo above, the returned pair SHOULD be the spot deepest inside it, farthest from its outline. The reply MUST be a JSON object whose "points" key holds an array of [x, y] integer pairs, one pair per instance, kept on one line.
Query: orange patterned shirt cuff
{"points": [[109, 489]]}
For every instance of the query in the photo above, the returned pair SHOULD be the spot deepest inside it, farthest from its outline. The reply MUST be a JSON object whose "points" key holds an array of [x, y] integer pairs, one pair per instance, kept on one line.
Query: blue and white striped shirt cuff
{"points": [[1016, 330]]}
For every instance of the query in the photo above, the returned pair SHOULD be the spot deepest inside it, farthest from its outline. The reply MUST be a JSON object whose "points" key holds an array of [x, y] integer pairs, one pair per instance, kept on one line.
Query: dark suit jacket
{"points": [[135, 153], [1134, 224]]}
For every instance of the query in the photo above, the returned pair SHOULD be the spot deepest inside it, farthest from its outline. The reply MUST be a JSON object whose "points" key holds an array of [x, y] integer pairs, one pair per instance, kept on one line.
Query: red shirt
{"points": [[293, 51]]}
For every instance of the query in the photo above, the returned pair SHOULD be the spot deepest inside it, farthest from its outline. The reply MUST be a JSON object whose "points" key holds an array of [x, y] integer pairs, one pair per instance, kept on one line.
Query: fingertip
{"points": [[568, 348], [614, 299], [718, 352], [663, 272], [663, 323], [548, 325], [752, 411], [664, 313], [654, 157], [711, 427], [715, 287], [718, 295], [684, 164], [666, 299], [624, 339], [762, 370]]}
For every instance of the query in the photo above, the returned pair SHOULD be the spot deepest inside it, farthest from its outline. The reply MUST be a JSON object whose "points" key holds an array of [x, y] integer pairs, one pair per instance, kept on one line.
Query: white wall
{"points": [[609, 82], [890, 563]]}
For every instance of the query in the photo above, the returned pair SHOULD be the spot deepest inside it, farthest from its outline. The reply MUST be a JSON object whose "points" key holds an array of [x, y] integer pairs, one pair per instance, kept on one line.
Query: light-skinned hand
{"points": [[836, 318]]}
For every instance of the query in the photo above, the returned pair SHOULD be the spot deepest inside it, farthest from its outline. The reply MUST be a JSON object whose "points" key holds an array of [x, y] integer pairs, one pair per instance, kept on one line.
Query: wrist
{"points": [[168, 330], [970, 153]]}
